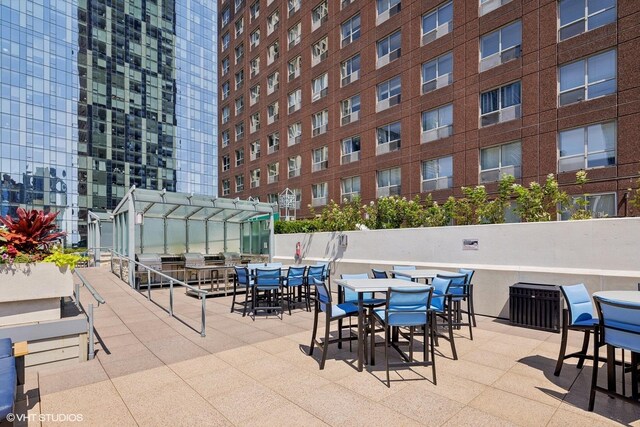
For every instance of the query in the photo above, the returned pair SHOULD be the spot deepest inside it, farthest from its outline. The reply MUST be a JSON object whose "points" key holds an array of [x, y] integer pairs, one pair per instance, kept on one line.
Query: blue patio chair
{"points": [[242, 278], [8, 386], [269, 282], [402, 267], [333, 312], [295, 279], [407, 308], [369, 301], [578, 316], [619, 327], [379, 274], [441, 303], [469, 283], [459, 290]]}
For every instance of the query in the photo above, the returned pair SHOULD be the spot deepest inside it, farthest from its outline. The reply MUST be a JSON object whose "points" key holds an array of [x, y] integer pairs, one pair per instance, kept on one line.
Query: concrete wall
{"points": [[602, 253]]}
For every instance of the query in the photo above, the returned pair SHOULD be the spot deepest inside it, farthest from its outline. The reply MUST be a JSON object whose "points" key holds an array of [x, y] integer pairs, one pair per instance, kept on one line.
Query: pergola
{"points": [[157, 221]]}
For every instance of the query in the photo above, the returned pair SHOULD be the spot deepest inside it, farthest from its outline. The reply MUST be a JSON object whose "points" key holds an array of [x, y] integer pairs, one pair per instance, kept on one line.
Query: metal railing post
{"points": [[91, 336], [148, 284], [77, 293], [171, 298], [120, 260], [204, 315]]}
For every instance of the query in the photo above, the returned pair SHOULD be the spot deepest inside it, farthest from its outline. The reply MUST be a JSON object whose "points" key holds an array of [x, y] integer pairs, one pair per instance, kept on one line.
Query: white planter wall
{"points": [[602, 253]]}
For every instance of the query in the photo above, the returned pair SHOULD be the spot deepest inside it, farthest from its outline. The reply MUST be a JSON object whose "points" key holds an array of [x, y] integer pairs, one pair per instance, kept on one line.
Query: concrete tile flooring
{"points": [[152, 369]]}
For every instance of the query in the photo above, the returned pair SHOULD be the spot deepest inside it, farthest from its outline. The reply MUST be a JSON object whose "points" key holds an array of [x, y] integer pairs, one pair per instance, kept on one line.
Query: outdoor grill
{"points": [[193, 259], [151, 260], [231, 258]]}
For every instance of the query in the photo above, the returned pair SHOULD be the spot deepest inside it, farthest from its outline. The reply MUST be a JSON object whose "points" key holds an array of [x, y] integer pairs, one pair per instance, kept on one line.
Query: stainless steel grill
{"points": [[231, 258], [194, 259], [150, 260]]}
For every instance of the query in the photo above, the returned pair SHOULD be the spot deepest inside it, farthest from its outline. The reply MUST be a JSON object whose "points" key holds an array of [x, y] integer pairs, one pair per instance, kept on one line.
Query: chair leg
{"points": [[585, 348], [325, 345], [433, 353], [340, 334], [453, 344], [472, 309], [233, 300], [386, 352], [411, 343], [373, 340], [594, 374], [469, 321], [289, 298], [315, 330], [563, 342]]}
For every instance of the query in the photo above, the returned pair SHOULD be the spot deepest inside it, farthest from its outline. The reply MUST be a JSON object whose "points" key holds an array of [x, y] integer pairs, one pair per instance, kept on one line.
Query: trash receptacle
{"points": [[535, 306]]}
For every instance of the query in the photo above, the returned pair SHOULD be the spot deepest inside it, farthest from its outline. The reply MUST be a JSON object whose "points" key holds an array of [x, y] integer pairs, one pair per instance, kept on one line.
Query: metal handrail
{"points": [[201, 293], [99, 299], [96, 295]]}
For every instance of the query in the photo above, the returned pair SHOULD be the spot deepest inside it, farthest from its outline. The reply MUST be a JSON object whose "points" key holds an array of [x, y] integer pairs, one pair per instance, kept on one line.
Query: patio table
{"points": [[415, 275], [362, 286], [625, 297]]}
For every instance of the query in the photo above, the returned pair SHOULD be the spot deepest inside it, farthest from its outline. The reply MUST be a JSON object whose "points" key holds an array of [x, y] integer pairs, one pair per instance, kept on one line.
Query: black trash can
{"points": [[535, 306]]}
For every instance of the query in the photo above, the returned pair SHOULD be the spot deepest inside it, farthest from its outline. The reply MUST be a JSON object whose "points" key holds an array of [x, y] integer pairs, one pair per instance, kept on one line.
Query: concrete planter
{"points": [[31, 292]]}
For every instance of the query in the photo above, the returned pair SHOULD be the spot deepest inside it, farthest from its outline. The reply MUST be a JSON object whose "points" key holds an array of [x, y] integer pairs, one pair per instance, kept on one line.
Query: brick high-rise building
{"points": [[335, 98]]}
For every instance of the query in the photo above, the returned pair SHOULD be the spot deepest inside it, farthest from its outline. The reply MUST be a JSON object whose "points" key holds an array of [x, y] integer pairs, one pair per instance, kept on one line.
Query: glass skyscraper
{"points": [[99, 95]]}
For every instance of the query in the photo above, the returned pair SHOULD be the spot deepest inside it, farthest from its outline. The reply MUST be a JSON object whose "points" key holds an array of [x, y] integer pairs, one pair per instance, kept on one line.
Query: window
{"points": [[500, 105], [350, 150], [345, 3], [254, 94], [254, 11], [319, 122], [255, 178], [225, 16], [349, 110], [587, 147], [295, 166], [350, 30], [226, 89], [350, 188], [239, 130], [350, 70], [294, 100], [388, 181], [295, 134], [238, 4], [225, 187], [239, 52], [225, 114], [437, 124], [437, 23], [437, 174], [294, 6], [388, 49], [320, 87], [388, 93], [254, 153], [319, 159], [254, 39], [495, 162], [293, 36], [319, 51], [386, 9], [578, 16], [254, 122], [225, 66], [224, 136], [388, 137], [272, 82], [226, 163], [239, 79], [273, 52], [272, 112], [239, 105], [273, 21], [588, 78], [273, 172], [273, 142], [319, 15], [239, 27], [239, 183], [294, 67], [319, 194], [600, 205], [254, 65], [239, 157], [225, 41], [500, 46], [487, 6], [437, 73]]}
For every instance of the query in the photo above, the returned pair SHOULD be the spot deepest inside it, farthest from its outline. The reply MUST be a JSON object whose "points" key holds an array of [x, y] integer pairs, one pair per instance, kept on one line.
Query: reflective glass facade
{"points": [[99, 95]]}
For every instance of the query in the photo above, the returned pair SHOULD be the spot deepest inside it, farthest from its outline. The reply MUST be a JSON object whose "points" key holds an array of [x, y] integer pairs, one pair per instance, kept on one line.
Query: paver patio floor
{"points": [[152, 369]]}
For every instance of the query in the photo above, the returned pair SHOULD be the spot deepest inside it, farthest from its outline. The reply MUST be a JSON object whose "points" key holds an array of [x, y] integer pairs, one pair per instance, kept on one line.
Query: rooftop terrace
{"points": [[153, 369]]}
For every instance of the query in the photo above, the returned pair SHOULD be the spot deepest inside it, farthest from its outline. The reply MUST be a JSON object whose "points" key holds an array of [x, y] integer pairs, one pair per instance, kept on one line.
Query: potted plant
{"points": [[34, 271]]}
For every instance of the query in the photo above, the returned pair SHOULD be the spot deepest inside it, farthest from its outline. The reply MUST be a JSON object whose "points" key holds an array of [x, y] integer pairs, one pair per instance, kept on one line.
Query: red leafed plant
{"points": [[31, 233]]}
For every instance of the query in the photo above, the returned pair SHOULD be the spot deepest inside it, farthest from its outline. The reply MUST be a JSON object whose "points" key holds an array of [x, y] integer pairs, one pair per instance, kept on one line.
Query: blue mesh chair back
{"points": [[457, 282], [408, 306], [440, 289], [267, 278], [295, 276], [315, 272], [379, 274], [579, 304], [352, 296], [620, 324], [322, 293], [326, 268], [242, 273], [403, 267], [469, 274]]}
